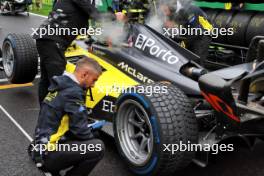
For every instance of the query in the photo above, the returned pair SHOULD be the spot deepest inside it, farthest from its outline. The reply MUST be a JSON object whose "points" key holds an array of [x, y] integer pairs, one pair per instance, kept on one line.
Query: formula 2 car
{"points": [[156, 96], [14, 7]]}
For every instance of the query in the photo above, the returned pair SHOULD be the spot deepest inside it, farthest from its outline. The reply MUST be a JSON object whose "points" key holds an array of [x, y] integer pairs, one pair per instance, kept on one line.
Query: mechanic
{"points": [[180, 13], [63, 120], [66, 14]]}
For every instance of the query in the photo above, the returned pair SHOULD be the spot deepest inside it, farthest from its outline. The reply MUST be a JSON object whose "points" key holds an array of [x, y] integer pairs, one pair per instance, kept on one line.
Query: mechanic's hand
{"points": [[97, 125]]}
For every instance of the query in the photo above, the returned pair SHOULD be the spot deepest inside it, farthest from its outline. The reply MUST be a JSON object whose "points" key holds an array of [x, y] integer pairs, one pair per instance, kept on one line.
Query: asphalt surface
{"points": [[21, 104]]}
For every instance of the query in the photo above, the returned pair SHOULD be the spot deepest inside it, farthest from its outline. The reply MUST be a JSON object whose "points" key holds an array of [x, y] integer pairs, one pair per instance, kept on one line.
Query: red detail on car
{"points": [[215, 103]]}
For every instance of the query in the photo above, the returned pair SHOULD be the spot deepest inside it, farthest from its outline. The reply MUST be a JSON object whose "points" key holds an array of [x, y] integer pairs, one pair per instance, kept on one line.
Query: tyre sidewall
{"points": [[12, 43], [149, 167]]}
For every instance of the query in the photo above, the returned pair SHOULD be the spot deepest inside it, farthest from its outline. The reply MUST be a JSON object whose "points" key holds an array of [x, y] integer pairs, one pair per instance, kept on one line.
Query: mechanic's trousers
{"points": [[52, 63], [80, 162]]}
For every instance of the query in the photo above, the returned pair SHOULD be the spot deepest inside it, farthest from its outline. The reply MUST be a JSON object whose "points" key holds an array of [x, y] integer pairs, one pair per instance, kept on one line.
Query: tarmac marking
{"points": [[34, 14], [16, 123], [21, 129], [11, 86]]}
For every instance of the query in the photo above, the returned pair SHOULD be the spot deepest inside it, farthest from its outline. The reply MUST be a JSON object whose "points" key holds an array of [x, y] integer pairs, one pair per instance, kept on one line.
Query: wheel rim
{"points": [[8, 59], [134, 132]]}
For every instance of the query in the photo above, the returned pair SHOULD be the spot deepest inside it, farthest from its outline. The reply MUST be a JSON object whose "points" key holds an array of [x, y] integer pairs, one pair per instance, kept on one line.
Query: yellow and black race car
{"points": [[158, 98]]}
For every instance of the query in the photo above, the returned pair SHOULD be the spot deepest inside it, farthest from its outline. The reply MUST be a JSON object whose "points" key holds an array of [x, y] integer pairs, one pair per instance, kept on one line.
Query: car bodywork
{"points": [[145, 61], [129, 66]]}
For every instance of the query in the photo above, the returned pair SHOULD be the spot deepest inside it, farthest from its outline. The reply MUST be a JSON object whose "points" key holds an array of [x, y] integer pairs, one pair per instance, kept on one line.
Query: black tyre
{"points": [[212, 14], [144, 124], [239, 23], [221, 21], [20, 58], [255, 27], [1, 7]]}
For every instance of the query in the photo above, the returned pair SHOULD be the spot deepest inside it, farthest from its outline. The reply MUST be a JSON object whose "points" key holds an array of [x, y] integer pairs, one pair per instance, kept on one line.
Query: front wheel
{"points": [[20, 58], [144, 124]]}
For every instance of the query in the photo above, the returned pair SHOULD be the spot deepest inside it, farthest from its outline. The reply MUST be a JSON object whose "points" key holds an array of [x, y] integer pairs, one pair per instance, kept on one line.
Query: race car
{"points": [[157, 96]]}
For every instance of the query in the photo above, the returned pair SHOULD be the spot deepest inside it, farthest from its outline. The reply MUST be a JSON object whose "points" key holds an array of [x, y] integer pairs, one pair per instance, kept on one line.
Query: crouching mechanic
{"points": [[63, 129], [179, 13]]}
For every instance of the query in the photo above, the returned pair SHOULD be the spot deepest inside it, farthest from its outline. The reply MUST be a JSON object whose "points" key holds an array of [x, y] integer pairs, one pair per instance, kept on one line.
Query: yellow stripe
{"points": [[133, 11], [10, 86], [63, 128], [205, 23]]}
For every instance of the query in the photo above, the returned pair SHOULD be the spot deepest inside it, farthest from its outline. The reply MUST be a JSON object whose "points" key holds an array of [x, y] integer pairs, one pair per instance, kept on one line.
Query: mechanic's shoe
{"points": [[30, 149], [52, 174], [35, 156]]}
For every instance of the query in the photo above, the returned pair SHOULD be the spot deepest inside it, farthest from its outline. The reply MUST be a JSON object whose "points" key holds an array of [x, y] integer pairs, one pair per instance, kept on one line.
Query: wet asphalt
{"points": [[21, 104]]}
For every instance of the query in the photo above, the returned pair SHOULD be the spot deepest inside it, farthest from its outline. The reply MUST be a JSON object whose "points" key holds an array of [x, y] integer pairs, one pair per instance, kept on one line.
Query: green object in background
{"points": [[104, 5], [219, 5], [45, 10], [47, 6], [215, 5], [259, 7]]}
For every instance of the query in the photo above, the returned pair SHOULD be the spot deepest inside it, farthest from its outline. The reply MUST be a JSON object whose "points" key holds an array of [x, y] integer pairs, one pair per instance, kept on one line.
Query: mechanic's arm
{"points": [[78, 121], [92, 11], [88, 8]]}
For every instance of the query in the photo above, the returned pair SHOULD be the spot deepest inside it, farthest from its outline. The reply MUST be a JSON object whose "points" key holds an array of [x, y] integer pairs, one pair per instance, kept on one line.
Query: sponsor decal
{"points": [[133, 72], [108, 106], [143, 42], [51, 96]]}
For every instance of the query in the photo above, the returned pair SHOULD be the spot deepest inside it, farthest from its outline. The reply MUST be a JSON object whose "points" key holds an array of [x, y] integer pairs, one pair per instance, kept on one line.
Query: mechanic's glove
{"points": [[97, 125], [58, 18]]}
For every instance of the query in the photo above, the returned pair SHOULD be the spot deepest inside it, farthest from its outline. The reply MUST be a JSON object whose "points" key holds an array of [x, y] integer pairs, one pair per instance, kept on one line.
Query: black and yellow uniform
{"points": [[67, 15], [193, 17], [63, 120]]}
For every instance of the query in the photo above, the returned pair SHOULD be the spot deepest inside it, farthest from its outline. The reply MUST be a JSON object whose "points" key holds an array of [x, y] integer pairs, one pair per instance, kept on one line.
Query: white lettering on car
{"points": [[133, 72], [144, 42], [108, 106]]}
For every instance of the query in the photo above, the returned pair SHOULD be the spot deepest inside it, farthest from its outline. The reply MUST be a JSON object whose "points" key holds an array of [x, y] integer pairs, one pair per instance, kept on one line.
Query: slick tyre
{"points": [[145, 123], [20, 58]]}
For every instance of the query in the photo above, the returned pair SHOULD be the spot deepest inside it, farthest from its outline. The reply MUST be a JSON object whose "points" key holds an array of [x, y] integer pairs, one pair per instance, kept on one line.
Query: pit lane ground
{"points": [[18, 105]]}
